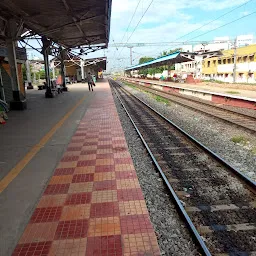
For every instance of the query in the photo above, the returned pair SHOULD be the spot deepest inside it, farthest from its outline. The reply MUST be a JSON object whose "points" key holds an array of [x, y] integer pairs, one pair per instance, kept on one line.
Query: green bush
{"points": [[239, 139]]}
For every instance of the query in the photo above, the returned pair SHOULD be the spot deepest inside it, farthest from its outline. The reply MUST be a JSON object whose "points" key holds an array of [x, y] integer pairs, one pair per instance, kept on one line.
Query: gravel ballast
{"points": [[173, 236], [212, 132]]}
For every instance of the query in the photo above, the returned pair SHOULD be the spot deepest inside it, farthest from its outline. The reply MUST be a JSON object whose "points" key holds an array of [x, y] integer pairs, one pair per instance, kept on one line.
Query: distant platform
{"points": [[220, 95]]}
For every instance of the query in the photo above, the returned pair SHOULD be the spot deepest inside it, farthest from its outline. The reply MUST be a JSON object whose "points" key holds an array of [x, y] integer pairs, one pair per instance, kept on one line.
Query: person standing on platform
{"points": [[90, 81]]}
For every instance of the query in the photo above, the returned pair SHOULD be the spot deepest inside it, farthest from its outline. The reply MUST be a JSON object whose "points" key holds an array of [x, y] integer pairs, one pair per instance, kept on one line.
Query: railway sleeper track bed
{"points": [[216, 201], [239, 119]]}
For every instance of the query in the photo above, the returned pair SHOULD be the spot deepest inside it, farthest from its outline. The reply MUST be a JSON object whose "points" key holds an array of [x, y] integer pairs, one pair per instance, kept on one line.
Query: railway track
{"points": [[216, 201], [245, 121]]}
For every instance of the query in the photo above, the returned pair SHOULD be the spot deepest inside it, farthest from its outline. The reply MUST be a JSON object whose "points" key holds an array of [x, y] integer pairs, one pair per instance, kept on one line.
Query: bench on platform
{"points": [[55, 88], [41, 87]]}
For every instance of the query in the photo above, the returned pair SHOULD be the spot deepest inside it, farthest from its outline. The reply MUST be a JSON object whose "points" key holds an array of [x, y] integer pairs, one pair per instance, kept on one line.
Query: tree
{"points": [[152, 71], [145, 71], [164, 53], [42, 74], [145, 59], [24, 71]]}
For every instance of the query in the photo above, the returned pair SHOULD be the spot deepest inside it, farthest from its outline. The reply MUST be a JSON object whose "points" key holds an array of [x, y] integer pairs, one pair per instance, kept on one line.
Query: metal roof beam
{"points": [[74, 18], [73, 38], [74, 21], [12, 7], [83, 11], [3, 28], [47, 31]]}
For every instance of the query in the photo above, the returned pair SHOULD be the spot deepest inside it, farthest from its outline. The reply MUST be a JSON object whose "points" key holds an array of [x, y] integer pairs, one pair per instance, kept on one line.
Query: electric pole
{"points": [[234, 69], [130, 54], [204, 44]]}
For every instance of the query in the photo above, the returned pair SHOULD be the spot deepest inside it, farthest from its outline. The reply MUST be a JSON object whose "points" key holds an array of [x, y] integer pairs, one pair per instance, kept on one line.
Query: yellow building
{"points": [[221, 68]]}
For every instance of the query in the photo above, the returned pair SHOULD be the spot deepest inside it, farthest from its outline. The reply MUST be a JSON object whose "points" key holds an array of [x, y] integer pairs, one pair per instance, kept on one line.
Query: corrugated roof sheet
{"points": [[175, 57], [67, 22]]}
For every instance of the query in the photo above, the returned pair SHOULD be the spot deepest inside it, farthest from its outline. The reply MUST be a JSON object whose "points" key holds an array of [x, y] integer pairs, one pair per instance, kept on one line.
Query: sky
{"points": [[168, 20]]}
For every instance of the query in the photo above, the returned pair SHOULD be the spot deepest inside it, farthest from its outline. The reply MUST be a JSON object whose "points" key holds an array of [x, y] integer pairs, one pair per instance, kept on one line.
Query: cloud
{"points": [[165, 20], [206, 5], [244, 13]]}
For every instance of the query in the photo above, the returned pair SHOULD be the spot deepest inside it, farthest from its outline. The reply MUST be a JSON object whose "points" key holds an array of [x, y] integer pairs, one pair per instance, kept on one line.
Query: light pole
{"points": [[235, 53]]}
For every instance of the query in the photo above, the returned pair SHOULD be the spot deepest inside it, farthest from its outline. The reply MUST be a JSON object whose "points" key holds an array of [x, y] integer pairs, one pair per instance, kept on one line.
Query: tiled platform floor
{"points": [[93, 204]]}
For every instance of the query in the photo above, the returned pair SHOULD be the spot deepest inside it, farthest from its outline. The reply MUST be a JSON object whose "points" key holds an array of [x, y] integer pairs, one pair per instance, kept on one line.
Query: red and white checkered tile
{"points": [[93, 204]]}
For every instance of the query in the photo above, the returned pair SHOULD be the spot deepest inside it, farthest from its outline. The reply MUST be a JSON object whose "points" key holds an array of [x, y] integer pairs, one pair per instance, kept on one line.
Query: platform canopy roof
{"points": [[68, 56], [176, 57], [99, 62], [69, 23]]}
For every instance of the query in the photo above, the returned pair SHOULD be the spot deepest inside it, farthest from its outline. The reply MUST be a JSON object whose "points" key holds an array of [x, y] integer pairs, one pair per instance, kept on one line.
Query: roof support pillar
{"points": [[62, 69], [46, 44], [19, 101], [52, 65], [30, 86], [82, 70], [53, 71]]}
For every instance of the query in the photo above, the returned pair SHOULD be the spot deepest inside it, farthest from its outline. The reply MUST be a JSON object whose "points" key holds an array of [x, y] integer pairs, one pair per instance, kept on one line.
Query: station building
{"points": [[221, 68]]}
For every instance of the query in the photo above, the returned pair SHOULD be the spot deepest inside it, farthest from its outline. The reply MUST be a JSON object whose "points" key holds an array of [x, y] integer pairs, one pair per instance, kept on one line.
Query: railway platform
{"points": [[232, 96], [93, 203]]}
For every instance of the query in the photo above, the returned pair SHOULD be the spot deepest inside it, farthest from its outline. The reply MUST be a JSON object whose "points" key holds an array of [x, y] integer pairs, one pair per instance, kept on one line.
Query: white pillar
{"points": [[13, 65], [82, 69], [53, 69], [18, 102], [34, 77], [53, 72], [30, 86]]}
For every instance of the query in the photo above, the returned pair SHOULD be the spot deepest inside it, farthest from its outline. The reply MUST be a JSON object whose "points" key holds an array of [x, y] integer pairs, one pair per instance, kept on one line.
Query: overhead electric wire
{"points": [[218, 27], [116, 48], [138, 24], [175, 43], [223, 25], [128, 25], [213, 21], [114, 43], [206, 24], [131, 20], [139, 21]]}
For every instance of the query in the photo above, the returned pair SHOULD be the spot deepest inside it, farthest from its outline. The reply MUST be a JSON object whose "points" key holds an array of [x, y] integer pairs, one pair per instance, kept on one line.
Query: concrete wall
{"points": [[240, 67], [6, 77]]}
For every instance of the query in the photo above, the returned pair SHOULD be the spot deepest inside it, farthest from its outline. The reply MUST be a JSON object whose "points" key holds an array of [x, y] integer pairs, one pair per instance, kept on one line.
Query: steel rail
{"points": [[153, 91], [202, 247], [239, 174], [193, 99], [181, 209]]}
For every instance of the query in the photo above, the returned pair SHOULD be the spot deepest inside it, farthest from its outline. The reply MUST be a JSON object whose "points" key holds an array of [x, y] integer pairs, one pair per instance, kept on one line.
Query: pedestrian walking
{"points": [[90, 81]]}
